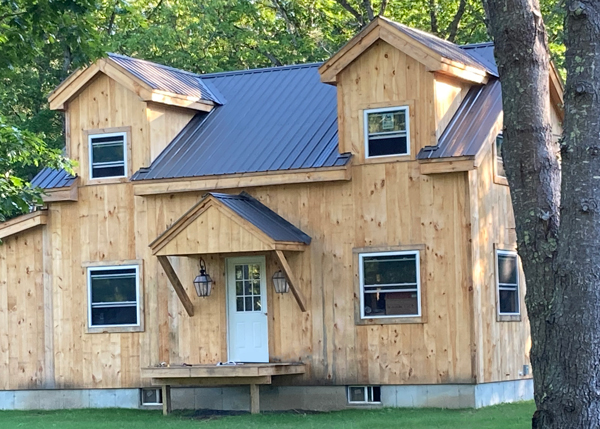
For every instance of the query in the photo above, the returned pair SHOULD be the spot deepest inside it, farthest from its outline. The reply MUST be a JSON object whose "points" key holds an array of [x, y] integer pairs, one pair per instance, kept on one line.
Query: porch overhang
{"points": [[226, 224]]}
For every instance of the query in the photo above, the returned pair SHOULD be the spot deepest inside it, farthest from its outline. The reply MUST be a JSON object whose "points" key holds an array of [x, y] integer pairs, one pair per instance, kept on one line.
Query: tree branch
{"points": [[433, 17], [453, 27], [354, 12], [382, 7], [369, 9]]}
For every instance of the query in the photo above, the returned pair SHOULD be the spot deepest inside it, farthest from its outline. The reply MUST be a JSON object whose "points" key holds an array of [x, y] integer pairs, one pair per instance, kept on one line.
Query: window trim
{"points": [[138, 326], [406, 109], [125, 154], [503, 316], [366, 392], [361, 256]]}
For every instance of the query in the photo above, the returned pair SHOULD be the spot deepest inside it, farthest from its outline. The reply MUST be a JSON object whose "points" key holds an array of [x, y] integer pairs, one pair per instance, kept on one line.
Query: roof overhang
{"points": [[22, 223], [381, 29], [73, 85], [65, 193]]}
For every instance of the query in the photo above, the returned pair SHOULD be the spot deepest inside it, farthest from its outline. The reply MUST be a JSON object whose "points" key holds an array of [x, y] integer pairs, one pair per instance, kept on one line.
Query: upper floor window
{"points": [[108, 155], [499, 161], [507, 281], [387, 132], [113, 293], [390, 284]]}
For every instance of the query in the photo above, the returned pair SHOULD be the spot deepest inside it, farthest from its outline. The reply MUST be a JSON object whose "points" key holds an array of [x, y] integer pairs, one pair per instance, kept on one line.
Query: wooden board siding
{"points": [[448, 94], [384, 77], [22, 327], [502, 346]]}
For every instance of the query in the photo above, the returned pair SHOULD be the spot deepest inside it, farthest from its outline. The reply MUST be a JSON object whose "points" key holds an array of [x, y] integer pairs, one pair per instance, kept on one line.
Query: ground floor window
{"points": [[507, 281], [364, 394], [113, 296], [151, 396], [390, 284]]}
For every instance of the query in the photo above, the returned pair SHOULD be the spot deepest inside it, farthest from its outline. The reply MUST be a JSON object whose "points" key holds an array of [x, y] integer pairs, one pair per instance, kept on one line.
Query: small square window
{"points": [[108, 155], [386, 132], [507, 280], [499, 160], [390, 284], [364, 394], [113, 296], [151, 396]]}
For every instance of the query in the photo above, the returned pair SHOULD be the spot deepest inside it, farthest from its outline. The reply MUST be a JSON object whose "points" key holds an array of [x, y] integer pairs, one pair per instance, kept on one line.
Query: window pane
{"points": [[257, 304], [114, 316], [256, 287], [98, 172], [107, 152], [239, 290], [507, 269], [499, 162], [255, 271], [393, 145], [391, 304], [240, 304], [113, 286], [509, 301], [247, 287], [385, 122], [390, 269], [357, 394]]}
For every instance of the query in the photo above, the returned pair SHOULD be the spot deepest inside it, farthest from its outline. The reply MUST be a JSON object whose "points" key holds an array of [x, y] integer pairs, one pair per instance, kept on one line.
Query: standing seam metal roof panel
{"points": [[275, 119], [265, 219], [50, 178]]}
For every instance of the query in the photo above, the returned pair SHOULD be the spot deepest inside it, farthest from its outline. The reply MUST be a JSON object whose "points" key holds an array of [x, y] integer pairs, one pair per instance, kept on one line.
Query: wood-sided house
{"points": [[369, 190]]}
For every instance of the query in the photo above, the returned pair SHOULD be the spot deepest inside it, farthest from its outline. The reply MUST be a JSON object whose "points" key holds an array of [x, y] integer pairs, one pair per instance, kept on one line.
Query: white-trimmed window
{"points": [[390, 284], [108, 155], [387, 132], [113, 296], [151, 396], [364, 394], [507, 281], [499, 161]]}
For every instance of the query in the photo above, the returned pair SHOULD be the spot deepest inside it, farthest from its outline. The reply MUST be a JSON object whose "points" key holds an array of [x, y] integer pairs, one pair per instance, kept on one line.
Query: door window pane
{"points": [[248, 287]]}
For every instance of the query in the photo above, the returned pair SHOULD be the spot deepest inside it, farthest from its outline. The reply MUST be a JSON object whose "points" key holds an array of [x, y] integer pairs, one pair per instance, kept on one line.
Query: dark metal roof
{"points": [[165, 78], [275, 119], [49, 178], [483, 52], [265, 219], [445, 48], [471, 124]]}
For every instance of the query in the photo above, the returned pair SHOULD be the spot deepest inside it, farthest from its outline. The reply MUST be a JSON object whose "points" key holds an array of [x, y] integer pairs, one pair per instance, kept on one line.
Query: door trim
{"points": [[228, 265]]}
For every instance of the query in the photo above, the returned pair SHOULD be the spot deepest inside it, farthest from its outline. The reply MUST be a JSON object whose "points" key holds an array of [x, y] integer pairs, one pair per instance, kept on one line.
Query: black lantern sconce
{"points": [[280, 283], [203, 282]]}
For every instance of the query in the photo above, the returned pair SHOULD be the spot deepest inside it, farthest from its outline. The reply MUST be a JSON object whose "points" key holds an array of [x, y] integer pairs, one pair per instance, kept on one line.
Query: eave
{"points": [[243, 180], [75, 83], [23, 223], [67, 193]]}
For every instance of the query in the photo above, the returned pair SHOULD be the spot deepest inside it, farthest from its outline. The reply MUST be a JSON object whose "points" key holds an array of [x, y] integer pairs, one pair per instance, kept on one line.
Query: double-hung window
{"points": [[507, 280], [390, 284], [113, 296], [386, 132], [108, 155]]}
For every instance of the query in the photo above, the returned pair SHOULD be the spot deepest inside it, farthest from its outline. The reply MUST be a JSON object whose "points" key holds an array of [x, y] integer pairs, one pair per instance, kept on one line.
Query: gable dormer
{"points": [[404, 83], [122, 112]]}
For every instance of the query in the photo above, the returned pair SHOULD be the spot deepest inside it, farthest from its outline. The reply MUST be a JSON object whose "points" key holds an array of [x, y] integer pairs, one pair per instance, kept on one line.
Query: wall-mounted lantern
{"points": [[280, 283], [203, 282]]}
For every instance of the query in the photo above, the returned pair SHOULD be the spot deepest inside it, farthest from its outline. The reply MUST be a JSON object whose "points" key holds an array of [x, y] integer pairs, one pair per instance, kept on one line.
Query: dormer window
{"points": [[108, 155], [386, 132]]}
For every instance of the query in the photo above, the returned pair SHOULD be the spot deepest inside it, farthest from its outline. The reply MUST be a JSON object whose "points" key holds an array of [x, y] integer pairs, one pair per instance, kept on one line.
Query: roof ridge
{"points": [[196, 75], [260, 70]]}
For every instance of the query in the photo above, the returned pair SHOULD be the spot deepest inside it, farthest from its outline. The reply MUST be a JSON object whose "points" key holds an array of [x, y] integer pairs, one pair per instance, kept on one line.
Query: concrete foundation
{"points": [[273, 398]]}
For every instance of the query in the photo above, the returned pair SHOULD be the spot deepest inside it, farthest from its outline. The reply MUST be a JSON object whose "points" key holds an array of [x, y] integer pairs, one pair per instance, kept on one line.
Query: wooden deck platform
{"points": [[252, 374]]}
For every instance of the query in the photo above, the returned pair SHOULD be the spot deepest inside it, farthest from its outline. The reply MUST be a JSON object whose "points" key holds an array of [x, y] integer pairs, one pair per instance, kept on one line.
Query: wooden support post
{"points": [[291, 278], [179, 289], [166, 398], [254, 399]]}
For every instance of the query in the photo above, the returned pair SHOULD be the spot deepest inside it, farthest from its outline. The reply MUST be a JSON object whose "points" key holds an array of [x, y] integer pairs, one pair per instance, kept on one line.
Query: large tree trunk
{"points": [[557, 219]]}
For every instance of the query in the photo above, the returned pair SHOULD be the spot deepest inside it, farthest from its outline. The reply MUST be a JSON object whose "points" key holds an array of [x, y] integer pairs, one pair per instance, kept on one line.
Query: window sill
{"points": [[388, 159], [499, 180], [107, 181], [114, 329], [391, 320], [508, 318]]}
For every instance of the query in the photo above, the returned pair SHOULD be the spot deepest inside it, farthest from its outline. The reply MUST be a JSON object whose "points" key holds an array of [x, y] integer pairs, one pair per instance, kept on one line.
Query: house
{"points": [[369, 190]]}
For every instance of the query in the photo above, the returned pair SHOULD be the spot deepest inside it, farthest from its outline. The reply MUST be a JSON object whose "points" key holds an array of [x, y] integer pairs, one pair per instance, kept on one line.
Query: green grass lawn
{"points": [[502, 417]]}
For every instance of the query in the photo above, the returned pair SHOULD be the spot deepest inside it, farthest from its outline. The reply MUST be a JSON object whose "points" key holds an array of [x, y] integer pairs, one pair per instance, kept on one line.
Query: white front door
{"points": [[247, 333]]}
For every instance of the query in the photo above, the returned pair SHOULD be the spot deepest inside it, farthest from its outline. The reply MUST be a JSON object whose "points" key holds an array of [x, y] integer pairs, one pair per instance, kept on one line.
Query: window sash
{"points": [[509, 287], [114, 304], [120, 139], [377, 288], [374, 136]]}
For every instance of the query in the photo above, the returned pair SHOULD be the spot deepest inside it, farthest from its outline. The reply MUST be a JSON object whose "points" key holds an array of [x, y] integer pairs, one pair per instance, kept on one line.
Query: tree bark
{"points": [[557, 218]]}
